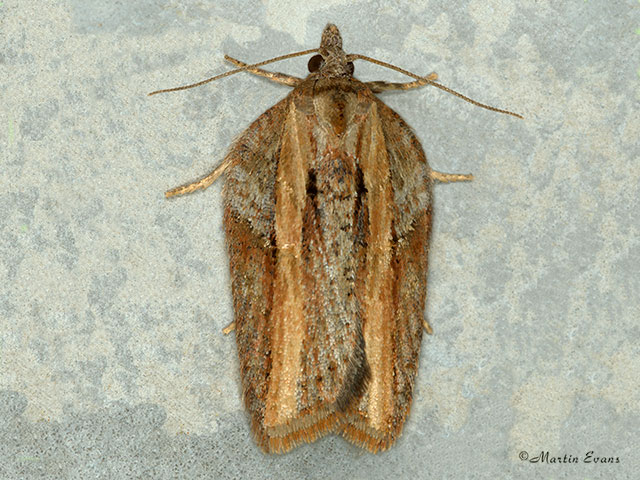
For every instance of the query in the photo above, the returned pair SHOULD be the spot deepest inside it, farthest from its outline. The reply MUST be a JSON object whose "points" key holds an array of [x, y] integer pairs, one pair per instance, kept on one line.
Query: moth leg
{"points": [[276, 77], [426, 326], [229, 328], [203, 182], [450, 177], [380, 86], [445, 178]]}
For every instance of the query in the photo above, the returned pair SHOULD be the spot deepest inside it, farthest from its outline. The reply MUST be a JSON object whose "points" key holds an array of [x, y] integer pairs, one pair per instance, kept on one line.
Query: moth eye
{"points": [[315, 63], [350, 68]]}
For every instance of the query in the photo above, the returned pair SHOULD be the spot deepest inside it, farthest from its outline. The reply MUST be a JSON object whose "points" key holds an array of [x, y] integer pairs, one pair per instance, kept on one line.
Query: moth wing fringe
{"points": [[357, 432], [280, 442]]}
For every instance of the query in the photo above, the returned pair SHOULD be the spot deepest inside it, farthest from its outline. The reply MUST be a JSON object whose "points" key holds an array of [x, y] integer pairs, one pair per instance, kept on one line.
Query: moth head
{"points": [[331, 61]]}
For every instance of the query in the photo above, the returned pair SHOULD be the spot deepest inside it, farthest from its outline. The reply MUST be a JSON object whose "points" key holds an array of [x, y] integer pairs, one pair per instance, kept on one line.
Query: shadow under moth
{"points": [[327, 211]]}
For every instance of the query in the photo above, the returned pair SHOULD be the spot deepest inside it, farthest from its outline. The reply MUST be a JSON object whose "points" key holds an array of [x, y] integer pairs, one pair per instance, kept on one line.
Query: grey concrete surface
{"points": [[112, 299]]}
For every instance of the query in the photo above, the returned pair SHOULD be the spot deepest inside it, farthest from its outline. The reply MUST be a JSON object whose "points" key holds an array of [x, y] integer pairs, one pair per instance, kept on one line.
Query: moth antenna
{"points": [[231, 72], [354, 56]]}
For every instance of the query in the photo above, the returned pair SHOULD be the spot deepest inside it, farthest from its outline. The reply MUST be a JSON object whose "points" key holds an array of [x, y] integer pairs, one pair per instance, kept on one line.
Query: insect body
{"points": [[328, 208]]}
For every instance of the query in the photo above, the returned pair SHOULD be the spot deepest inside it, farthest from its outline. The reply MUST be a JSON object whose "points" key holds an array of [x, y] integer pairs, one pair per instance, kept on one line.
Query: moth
{"points": [[327, 211]]}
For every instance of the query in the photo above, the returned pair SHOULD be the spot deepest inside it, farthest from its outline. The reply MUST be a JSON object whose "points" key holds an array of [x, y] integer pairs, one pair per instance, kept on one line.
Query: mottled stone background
{"points": [[112, 299]]}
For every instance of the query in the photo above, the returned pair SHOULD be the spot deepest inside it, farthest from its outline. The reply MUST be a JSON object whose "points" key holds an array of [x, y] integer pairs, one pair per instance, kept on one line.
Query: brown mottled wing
{"points": [[249, 219], [327, 213], [392, 279], [291, 200]]}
